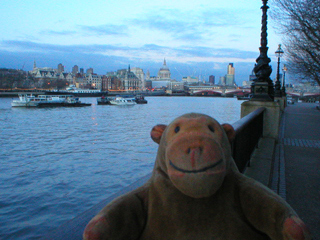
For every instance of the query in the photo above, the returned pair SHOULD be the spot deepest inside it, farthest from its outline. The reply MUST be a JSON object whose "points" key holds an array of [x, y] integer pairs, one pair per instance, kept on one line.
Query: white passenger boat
{"points": [[29, 100], [123, 101], [26, 100]]}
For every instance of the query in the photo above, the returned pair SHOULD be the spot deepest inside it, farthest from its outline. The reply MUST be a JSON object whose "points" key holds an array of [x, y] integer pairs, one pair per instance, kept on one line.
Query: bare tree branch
{"points": [[299, 23]]}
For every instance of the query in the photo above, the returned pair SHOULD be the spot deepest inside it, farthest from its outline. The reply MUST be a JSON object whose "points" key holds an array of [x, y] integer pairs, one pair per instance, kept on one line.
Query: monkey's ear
{"points": [[157, 131], [231, 134]]}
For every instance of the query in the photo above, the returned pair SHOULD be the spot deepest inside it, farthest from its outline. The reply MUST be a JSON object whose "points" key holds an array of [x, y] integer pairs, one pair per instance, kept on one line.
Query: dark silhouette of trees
{"points": [[299, 23], [11, 78]]}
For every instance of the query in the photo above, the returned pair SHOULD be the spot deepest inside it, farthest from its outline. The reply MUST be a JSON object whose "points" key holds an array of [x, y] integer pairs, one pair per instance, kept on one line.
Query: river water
{"points": [[55, 163]]}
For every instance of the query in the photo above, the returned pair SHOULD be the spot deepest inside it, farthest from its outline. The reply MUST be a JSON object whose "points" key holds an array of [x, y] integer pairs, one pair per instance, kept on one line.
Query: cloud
{"points": [[188, 25], [234, 37], [153, 47], [104, 49], [107, 29], [203, 52], [178, 28], [44, 47], [52, 32]]}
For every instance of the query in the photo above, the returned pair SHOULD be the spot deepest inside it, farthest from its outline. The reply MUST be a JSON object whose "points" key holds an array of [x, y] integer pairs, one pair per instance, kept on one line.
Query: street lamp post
{"points": [[283, 90], [262, 86], [277, 91]]}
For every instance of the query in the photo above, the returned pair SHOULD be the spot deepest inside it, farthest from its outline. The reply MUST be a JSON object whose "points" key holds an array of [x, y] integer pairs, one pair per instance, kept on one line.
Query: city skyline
{"points": [[78, 69], [195, 38]]}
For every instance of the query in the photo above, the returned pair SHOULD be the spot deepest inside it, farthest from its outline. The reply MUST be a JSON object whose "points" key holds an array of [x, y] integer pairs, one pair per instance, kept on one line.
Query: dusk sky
{"points": [[197, 38]]}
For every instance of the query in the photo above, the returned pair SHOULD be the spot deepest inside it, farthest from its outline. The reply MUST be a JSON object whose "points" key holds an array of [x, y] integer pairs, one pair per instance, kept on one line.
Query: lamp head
{"points": [[285, 68], [279, 52]]}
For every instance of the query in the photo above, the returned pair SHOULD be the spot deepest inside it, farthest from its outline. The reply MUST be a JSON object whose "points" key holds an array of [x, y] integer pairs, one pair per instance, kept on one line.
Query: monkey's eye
{"points": [[177, 129], [211, 128]]}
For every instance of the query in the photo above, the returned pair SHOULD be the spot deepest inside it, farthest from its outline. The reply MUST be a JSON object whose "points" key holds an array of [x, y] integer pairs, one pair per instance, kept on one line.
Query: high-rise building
{"points": [[229, 79], [75, 69], [90, 70], [230, 75], [230, 69], [60, 68], [211, 79], [222, 80]]}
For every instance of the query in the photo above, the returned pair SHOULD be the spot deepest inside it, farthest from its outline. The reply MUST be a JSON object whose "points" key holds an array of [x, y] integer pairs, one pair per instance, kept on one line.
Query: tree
{"points": [[11, 78], [299, 22]]}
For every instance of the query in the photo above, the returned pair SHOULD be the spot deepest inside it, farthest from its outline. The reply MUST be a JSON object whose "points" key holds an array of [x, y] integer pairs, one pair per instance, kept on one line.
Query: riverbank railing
{"points": [[248, 130]]}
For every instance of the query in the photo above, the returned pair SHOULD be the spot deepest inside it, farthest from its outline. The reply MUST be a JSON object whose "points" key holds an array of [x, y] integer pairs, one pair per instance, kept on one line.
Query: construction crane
{"points": [[23, 66]]}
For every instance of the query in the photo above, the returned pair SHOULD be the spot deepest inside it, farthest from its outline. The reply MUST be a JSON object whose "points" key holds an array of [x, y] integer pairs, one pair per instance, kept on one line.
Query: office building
{"points": [[90, 71], [229, 78], [212, 79], [60, 68], [75, 69]]}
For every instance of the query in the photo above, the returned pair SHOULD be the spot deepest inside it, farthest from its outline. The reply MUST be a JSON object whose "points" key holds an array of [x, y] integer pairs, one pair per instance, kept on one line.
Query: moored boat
{"points": [[26, 100], [29, 100], [123, 101], [104, 100], [140, 99], [69, 102], [78, 92]]}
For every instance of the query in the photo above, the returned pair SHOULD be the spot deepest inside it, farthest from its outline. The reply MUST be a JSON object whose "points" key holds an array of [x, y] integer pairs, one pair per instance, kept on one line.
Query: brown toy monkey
{"points": [[196, 192]]}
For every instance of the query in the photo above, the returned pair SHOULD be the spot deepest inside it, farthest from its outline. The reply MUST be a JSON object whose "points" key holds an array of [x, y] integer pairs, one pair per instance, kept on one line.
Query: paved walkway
{"points": [[297, 163]]}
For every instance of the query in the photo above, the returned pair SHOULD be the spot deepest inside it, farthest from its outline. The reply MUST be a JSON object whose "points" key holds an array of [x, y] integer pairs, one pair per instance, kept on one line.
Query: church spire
{"points": [[34, 64], [164, 62]]}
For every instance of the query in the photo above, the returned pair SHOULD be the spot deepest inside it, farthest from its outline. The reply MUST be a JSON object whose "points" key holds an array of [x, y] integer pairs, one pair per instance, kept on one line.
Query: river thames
{"points": [[55, 163]]}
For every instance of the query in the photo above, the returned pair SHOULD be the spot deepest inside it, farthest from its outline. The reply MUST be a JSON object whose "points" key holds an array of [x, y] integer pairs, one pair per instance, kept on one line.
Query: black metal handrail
{"points": [[248, 129]]}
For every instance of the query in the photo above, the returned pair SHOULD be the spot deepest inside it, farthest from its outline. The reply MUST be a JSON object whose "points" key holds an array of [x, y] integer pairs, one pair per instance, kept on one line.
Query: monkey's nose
{"points": [[195, 149]]}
